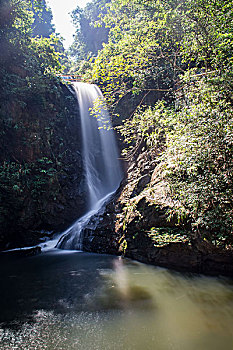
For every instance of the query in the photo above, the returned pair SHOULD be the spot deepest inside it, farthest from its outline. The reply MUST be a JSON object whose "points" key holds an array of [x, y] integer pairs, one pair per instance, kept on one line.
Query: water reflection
{"points": [[86, 301], [117, 291]]}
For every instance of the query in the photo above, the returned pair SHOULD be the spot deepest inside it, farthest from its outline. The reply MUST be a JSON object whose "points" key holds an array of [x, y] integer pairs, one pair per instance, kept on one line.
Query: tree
{"points": [[142, 53], [28, 68], [185, 49], [42, 25], [89, 38]]}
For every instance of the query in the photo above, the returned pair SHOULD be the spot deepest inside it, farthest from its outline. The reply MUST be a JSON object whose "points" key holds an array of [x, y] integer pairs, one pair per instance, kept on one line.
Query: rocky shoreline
{"points": [[123, 227], [101, 238]]}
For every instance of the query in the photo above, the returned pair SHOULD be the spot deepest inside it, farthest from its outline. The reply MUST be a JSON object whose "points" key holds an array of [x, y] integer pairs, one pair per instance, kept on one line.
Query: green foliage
{"points": [[210, 33], [150, 43], [89, 38], [183, 50], [149, 127], [31, 108], [42, 25], [198, 159], [17, 181], [28, 64], [142, 53], [23, 56], [162, 236]]}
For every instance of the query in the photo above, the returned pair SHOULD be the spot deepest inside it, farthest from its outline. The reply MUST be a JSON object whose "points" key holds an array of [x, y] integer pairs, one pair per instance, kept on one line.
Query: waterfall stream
{"points": [[100, 156]]}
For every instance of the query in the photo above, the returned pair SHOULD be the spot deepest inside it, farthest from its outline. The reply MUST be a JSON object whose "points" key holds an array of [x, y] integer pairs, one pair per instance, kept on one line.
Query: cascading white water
{"points": [[100, 157]]}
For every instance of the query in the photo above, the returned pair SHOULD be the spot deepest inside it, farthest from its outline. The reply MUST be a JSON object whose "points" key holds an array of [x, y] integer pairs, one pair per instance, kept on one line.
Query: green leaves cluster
{"points": [[195, 152], [24, 56], [162, 236], [142, 49], [148, 127], [199, 159]]}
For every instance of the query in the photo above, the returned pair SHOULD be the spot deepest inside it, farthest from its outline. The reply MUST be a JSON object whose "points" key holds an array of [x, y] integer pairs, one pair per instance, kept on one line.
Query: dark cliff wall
{"points": [[42, 186]]}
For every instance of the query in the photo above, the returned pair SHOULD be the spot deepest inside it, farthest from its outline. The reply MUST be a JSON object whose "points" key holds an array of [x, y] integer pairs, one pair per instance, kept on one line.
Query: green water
{"points": [[86, 301]]}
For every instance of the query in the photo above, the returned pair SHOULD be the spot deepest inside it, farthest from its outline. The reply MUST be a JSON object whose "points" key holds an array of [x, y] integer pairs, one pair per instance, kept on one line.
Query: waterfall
{"points": [[100, 156]]}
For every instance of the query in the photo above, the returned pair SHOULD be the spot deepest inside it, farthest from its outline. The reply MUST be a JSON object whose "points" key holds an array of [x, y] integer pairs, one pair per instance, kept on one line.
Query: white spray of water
{"points": [[100, 157]]}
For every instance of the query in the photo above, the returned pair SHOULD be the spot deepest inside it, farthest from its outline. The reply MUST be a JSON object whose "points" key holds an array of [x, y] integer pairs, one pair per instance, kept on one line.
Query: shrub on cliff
{"points": [[196, 160], [183, 49]]}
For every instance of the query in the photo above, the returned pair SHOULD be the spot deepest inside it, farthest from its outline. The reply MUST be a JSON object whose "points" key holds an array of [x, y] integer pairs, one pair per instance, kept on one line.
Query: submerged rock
{"points": [[24, 252]]}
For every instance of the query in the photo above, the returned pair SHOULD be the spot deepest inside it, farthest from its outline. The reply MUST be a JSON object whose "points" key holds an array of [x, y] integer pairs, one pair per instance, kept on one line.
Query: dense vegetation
{"points": [[34, 109], [178, 53], [183, 52], [88, 38]]}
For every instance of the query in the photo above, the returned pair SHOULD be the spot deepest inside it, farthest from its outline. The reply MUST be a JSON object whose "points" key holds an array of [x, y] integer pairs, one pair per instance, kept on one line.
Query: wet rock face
{"points": [[52, 193], [104, 236], [108, 232], [99, 235], [122, 228], [180, 257]]}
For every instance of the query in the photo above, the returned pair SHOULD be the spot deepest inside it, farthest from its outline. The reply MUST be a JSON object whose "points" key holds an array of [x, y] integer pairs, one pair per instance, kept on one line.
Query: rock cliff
{"points": [[42, 181], [135, 224]]}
